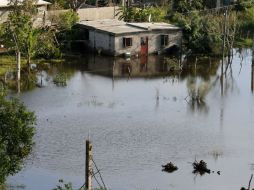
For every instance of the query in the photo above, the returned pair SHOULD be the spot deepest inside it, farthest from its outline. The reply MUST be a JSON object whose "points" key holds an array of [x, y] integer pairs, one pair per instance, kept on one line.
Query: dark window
{"points": [[164, 40], [127, 42]]}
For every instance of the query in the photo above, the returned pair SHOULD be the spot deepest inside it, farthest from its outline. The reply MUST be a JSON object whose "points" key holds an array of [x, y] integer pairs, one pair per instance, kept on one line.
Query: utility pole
{"points": [[89, 165]]}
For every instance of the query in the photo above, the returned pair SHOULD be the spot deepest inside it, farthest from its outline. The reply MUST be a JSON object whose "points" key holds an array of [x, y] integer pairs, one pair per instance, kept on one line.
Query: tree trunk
{"points": [[18, 65], [28, 63]]}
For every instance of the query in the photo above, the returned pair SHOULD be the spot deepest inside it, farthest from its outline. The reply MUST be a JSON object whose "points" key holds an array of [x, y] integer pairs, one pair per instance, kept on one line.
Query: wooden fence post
{"points": [[89, 163]]}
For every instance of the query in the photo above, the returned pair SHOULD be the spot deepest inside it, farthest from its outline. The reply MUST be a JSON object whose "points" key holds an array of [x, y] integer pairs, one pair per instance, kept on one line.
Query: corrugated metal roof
{"points": [[5, 3]]}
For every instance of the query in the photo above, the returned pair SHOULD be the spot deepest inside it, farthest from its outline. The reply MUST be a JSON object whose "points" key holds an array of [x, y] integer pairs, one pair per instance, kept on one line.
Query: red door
{"points": [[144, 45]]}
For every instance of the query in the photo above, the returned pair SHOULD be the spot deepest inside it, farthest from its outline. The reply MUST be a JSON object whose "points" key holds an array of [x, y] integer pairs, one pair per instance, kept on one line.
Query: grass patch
{"points": [[60, 79], [244, 42], [8, 62]]}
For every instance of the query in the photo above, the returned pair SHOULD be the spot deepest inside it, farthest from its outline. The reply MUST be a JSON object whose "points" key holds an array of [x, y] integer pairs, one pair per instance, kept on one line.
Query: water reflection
{"points": [[200, 75], [252, 77], [197, 90], [138, 118]]}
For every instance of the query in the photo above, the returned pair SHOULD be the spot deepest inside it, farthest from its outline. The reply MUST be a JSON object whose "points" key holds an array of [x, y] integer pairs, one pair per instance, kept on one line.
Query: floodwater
{"points": [[140, 116]]}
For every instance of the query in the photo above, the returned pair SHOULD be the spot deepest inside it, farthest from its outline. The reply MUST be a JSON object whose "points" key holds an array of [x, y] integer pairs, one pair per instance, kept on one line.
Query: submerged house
{"points": [[114, 37]]}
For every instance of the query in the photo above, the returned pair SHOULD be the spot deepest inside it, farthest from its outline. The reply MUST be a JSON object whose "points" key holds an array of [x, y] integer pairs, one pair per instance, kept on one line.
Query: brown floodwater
{"points": [[141, 114]]}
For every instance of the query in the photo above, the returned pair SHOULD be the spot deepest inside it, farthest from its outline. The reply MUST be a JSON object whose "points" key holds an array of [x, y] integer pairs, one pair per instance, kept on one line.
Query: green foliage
{"points": [[183, 6], [67, 19], [64, 186], [2, 90], [16, 133], [46, 45], [241, 42], [67, 4], [134, 14], [61, 4], [242, 5], [247, 20], [200, 33]]}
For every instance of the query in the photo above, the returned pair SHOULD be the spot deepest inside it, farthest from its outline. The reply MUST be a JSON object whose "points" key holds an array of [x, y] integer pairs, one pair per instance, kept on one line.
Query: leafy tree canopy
{"points": [[68, 4], [243, 5], [134, 14], [67, 19], [16, 133], [183, 6]]}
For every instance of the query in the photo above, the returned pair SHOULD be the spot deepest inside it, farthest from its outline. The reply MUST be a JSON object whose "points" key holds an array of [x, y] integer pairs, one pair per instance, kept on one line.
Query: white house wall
{"points": [[101, 42], [154, 42]]}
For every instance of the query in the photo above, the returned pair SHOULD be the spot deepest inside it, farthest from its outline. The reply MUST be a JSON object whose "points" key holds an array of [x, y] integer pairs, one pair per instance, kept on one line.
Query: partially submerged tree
{"points": [[20, 34]]}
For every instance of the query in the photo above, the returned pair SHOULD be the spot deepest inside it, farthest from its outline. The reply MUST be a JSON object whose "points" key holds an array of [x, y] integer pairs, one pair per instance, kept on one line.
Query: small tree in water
{"points": [[19, 32]]}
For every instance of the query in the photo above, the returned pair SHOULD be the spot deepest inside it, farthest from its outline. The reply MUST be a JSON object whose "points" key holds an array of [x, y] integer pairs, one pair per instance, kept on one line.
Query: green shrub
{"points": [[67, 19]]}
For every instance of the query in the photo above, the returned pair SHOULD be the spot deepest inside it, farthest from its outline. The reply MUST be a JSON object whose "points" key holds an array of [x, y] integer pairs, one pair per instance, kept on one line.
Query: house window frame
{"points": [[127, 42], [164, 40]]}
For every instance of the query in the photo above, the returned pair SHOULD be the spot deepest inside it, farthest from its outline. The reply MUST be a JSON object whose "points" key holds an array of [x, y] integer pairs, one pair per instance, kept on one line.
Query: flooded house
{"points": [[114, 37]]}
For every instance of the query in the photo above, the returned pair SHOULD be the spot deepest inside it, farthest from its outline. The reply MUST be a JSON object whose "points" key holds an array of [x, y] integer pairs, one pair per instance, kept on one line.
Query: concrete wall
{"points": [[90, 13], [97, 13], [154, 42], [84, 14]]}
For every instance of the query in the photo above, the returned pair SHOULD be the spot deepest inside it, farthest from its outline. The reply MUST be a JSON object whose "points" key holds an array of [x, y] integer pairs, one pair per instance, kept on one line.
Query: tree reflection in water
{"points": [[197, 91]]}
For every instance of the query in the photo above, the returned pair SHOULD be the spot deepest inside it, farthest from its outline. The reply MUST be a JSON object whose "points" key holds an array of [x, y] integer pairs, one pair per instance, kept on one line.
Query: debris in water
{"points": [[169, 167], [200, 167], [243, 188]]}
